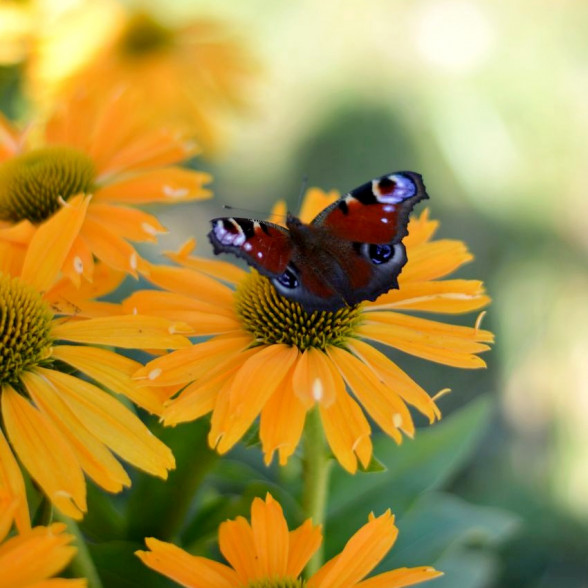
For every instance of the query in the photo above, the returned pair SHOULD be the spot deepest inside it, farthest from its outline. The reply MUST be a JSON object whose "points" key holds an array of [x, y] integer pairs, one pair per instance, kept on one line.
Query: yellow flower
{"points": [[195, 72], [269, 357], [31, 558], [65, 189], [264, 554], [61, 425]]}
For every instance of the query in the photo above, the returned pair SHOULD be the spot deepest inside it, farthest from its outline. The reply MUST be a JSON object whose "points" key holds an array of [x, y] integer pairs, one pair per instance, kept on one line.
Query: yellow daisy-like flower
{"points": [[30, 559], [61, 425], [65, 189], [195, 72], [269, 357], [264, 554]]}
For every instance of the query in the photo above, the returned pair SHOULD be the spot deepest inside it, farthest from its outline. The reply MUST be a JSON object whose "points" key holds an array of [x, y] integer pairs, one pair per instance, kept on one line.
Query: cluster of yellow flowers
{"points": [[70, 184]]}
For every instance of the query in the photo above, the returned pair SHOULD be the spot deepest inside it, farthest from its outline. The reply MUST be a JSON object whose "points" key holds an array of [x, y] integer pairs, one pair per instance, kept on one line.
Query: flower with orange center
{"points": [[34, 556], [59, 420], [65, 190], [195, 72], [268, 356], [264, 554]]}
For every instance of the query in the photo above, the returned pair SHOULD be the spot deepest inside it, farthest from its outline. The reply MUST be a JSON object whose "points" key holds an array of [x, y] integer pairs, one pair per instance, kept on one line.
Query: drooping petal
{"points": [[396, 379], [45, 454], [51, 243], [282, 422], [133, 331], [113, 424], [346, 428], [94, 458], [250, 389], [313, 378], [401, 577], [113, 371], [12, 486], [380, 402], [361, 554], [185, 569], [199, 398]]}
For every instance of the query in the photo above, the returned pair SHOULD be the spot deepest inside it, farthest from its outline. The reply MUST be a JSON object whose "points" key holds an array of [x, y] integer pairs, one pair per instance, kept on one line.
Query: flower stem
{"points": [[317, 465], [82, 565]]}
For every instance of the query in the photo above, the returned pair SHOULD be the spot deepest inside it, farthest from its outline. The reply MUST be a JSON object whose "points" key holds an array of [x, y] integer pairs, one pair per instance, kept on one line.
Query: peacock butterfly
{"points": [[352, 251]]}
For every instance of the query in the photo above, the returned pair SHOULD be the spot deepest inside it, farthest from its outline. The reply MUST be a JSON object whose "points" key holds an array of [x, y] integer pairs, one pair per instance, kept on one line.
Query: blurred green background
{"points": [[489, 102]]}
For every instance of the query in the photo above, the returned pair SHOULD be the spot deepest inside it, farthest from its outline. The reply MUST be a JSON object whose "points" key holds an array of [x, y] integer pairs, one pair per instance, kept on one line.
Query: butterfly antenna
{"points": [[302, 190]]}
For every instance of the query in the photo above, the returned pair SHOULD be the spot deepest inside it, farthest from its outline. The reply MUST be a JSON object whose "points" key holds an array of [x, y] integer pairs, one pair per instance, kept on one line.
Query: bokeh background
{"points": [[489, 102]]}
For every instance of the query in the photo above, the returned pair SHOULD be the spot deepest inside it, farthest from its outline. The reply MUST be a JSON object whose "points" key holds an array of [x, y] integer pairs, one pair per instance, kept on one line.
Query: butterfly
{"points": [[352, 251]]}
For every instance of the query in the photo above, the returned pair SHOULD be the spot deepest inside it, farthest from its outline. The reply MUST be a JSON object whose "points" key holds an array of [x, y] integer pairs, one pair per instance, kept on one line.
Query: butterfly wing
{"points": [[265, 246], [366, 228]]}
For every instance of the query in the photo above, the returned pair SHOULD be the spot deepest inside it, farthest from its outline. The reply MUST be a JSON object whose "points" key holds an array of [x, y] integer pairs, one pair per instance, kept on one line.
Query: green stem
{"points": [[317, 465], [82, 565]]}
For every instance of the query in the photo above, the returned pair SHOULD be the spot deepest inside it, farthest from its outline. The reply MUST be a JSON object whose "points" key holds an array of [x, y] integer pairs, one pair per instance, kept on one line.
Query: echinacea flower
{"points": [[268, 356], [56, 415], [195, 71], [265, 554], [65, 190], [30, 559]]}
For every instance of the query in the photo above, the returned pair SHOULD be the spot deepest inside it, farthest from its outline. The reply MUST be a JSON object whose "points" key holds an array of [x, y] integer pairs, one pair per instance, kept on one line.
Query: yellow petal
{"points": [[110, 248], [35, 556], [446, 296], [132, 331], [185, 569], [361, 554], [433, 260], [50, 246], [189, 364], [420, 229], [199, 398], [93, 456], [313, 379], [304, 542], [45, 454], [432, 340], [222, 270], [113, 424], [251, 388], [128, 223], [12, 486], [236, 543], [78, 262], [111, 370], [270, 536], [401, 577], [282, 422], [346, 428], [396, 379], [380, 402], [315, 201], [169, 185]]}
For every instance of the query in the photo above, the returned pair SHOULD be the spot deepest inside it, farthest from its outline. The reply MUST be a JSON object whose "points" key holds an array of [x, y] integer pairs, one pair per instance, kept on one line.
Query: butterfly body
{"points": [[351, 252]]}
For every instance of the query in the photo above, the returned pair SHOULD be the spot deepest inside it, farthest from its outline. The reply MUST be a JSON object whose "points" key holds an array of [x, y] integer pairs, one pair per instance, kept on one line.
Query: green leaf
{"points": [[119, 567], [418, 465], [103, 521]]}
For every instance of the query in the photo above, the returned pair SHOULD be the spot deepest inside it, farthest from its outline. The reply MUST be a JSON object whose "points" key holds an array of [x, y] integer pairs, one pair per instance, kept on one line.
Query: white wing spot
{"points": [[247, 246], [228, 237]]}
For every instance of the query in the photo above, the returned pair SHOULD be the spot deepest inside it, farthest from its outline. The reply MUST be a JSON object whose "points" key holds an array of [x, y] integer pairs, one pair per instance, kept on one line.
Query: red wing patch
{"points": [[263, 245]]}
